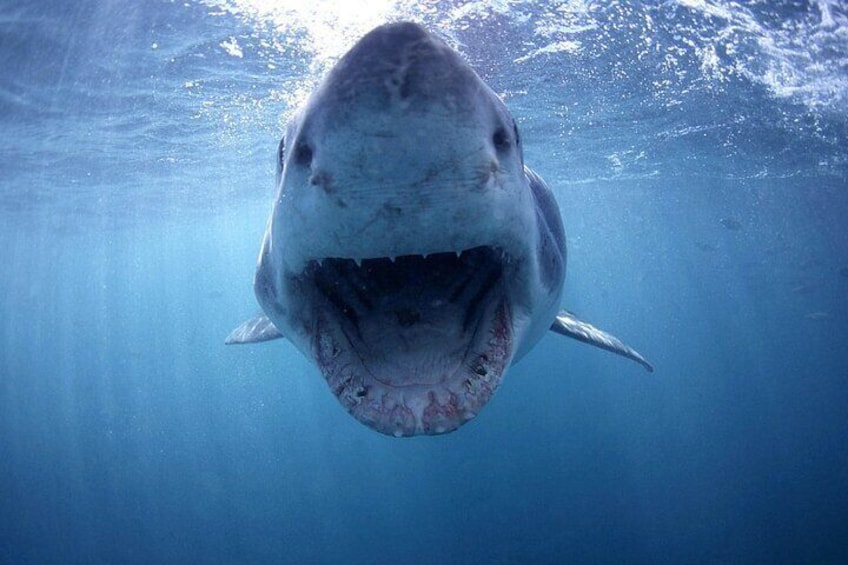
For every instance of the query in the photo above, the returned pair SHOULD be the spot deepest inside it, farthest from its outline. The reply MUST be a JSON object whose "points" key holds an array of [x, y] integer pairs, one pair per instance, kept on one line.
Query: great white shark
{"points": [[410, 253]]}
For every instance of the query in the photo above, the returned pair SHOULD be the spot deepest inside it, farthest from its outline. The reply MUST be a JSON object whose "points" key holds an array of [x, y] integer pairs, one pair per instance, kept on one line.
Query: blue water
{"points": [[699, 152]]}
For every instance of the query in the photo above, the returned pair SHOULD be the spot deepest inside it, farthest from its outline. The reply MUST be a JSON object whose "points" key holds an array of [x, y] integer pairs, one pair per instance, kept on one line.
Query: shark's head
{"points": [[409, 253]]}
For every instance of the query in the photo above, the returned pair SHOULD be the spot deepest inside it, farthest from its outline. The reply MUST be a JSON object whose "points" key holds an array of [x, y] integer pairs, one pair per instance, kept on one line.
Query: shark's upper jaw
{"points": [[411, 345]]}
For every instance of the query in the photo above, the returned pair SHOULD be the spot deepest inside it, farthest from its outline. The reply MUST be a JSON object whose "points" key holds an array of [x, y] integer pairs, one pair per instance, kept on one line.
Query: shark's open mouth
{"points": [[412, 344]]}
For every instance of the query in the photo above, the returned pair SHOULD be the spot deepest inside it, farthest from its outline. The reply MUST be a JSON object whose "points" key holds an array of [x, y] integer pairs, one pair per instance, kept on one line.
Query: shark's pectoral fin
{"points": [[259, 328], [568, 324]]}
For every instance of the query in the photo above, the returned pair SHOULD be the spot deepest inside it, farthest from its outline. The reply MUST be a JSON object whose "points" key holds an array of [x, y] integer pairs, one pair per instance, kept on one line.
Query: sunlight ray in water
{"points": [[330, 26], [321, 30]]}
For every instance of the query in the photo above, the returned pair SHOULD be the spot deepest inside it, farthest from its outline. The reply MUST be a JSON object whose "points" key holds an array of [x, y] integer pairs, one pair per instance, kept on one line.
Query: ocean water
{"points": [[699, 153]]}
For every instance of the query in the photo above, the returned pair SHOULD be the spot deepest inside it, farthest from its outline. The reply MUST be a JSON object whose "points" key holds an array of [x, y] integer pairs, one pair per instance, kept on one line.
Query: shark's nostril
{"points": [[323, 180]]}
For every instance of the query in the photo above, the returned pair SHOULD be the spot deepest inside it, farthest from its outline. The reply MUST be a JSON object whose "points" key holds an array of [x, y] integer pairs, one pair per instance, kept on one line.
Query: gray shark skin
{"points": [[410, 254]]}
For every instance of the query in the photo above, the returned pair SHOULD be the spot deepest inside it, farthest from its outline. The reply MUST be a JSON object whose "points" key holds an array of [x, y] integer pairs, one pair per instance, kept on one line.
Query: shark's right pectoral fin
{"points": [[570, 325], [259, 328]]}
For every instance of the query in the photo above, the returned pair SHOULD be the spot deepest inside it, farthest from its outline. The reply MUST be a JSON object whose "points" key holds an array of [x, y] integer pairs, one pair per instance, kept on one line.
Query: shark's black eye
{"points": [[303, 154], [500, 139]]}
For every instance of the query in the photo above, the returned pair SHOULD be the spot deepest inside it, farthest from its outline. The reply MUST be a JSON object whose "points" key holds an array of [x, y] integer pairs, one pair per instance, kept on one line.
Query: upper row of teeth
{"points": [[358, 260], [392, 258]]}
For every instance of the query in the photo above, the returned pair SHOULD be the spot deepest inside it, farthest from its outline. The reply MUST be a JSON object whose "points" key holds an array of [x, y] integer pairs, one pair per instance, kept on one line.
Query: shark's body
{"points": [[410, 253]]}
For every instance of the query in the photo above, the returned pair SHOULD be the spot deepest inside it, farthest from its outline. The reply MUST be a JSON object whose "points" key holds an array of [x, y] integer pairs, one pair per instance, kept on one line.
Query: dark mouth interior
{"points": [[410, 287], [411, 344]]}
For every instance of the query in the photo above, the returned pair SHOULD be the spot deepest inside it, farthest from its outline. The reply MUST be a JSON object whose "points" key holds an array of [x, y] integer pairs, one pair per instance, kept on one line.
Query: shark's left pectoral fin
{"points": [[568, 324], [259, 328]]}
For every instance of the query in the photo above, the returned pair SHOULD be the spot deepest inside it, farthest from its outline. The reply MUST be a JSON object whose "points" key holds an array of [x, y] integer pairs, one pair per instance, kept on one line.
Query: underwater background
{"points": [[699, 153]]}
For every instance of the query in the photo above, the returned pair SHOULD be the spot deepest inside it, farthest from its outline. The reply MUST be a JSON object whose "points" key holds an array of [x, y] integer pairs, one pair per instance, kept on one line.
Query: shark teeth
{"points": [[500, 254]]}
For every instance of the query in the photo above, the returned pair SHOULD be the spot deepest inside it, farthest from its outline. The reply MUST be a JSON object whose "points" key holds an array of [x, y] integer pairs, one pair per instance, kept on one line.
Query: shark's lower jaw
{"points": [[412, 345]]}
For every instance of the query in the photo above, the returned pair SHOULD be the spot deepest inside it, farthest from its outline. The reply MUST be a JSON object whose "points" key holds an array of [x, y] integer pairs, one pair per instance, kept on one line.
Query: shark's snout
{"points": [[401, 67]]}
